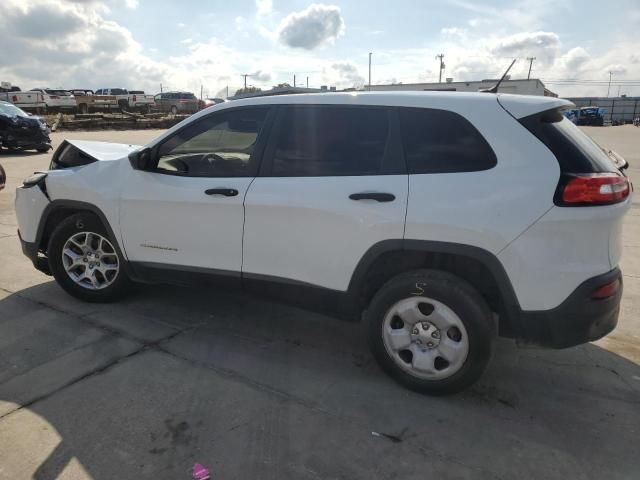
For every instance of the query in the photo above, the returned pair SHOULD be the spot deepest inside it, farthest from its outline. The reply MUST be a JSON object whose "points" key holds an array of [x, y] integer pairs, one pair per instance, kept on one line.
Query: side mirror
{"points": [[140, 159]]}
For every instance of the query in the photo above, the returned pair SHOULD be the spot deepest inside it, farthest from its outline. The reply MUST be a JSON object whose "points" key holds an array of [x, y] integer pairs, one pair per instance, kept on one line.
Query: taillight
{"points": [[134, 98], [592, 189], [14, 98], [607, 290]]}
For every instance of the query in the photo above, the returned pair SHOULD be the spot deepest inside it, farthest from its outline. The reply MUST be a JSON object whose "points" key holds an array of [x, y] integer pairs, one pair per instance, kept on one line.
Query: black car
{"points": [[21, 131]]}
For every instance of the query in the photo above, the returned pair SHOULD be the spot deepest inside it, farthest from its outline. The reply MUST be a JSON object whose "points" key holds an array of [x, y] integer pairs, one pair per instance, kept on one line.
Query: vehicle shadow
{"points": [[253, 386]]}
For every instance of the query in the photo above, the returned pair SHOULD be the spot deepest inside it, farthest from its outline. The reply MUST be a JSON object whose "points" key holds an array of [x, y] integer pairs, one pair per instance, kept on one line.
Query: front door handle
{"points": [[377, 196], [227, 192]]}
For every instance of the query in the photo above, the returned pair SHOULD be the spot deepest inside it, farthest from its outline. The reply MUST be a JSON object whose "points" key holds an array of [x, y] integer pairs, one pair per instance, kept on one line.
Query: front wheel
{"points": [[85, 261], [431, 331]]}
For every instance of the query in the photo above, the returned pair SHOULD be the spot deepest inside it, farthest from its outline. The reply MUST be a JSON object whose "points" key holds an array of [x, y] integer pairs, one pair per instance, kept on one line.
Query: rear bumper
{"points": [[579, 319]]}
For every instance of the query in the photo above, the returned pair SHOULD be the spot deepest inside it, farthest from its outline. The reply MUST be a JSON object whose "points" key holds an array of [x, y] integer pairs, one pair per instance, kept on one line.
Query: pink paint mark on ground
{"points": [[198, 472]]}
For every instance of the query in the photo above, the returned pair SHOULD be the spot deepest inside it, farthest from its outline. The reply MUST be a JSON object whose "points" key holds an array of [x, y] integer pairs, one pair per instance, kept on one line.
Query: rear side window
{"points": [[331, 141], [575, 151], [439, 141]]}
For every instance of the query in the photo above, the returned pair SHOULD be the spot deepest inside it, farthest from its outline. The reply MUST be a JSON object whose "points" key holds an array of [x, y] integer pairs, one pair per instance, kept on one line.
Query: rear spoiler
{"points": [[520, 106]]}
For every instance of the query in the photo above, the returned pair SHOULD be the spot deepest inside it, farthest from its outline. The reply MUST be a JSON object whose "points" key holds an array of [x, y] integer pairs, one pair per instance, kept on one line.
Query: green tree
{"points": [[240, 91]]}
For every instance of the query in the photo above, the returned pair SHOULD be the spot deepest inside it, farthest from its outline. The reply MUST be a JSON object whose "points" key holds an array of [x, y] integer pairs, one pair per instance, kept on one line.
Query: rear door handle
{"points": [[227, 192], [378, 197]]}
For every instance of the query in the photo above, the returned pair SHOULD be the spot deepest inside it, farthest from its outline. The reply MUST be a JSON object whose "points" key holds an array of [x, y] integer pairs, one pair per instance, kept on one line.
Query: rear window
{"points": [[61, 93], [574, 149], [118, 91], [188, 96], [440, 141]]}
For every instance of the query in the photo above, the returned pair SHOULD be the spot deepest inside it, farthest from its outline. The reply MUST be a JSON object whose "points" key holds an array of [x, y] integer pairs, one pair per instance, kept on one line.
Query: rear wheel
{"points": [[431, 331], [85, 261]]}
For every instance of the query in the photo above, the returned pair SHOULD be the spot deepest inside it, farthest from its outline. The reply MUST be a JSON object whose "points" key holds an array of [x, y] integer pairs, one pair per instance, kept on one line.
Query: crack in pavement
{"points": [[96, 371]]}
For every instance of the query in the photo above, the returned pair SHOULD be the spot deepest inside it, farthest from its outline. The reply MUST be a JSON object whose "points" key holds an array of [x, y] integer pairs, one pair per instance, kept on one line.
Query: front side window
{"points": [[440, 141], [221, 145], [331, 141]]}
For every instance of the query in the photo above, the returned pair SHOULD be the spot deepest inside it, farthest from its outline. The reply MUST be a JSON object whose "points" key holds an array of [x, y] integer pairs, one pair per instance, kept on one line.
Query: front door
{"points": [[187, 208]]}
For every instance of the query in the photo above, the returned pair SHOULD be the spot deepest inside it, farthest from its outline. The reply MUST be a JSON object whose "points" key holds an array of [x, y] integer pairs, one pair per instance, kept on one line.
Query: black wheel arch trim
{"points": [[483, 256], [61, 204]]}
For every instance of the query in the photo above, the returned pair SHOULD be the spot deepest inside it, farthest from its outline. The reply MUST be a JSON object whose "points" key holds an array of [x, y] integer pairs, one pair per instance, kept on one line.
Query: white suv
{"points": [[446, 218]]}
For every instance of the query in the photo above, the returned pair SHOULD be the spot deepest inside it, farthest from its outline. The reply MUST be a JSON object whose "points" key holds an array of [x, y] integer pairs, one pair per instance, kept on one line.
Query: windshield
{"points": [[11, 110]]}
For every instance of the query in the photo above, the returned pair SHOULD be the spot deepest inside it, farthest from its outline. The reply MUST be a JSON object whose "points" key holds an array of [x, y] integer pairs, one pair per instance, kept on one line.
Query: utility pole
{"points": [[200, 91], [307, 81], [294, 80], [160, 88], [370, 53], [609, 88], [227, 92], [441, 57], [531, 59], [245, 75]]}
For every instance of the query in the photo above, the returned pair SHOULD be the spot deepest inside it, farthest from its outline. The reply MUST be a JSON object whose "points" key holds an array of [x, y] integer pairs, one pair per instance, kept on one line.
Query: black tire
{"points": [[84, 222], [456, 294]]}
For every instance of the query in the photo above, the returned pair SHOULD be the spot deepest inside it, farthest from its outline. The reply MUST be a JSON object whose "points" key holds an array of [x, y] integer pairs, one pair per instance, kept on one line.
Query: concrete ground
{"points": [[252, 389]]}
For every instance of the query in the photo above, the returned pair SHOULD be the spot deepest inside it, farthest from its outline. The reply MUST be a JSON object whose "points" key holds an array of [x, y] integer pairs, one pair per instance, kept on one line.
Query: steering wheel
{"points": [[213, 157]]}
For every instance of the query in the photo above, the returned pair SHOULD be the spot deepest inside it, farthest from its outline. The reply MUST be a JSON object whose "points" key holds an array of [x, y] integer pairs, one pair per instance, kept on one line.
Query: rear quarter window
{"points": [[574, 149], [440, 141]]}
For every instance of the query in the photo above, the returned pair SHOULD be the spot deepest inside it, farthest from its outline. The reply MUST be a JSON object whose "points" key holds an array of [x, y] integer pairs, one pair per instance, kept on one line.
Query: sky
{"points": [[143, 44]]}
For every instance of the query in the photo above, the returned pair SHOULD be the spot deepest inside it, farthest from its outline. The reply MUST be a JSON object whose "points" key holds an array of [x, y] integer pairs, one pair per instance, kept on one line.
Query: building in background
{"points": [[616, 109], [533, 86]]}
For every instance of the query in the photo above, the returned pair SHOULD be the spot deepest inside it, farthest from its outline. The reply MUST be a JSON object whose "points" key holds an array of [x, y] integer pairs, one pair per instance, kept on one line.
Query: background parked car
{"points": [[57, 100], [19, 130], [129, 100], [208, 102], [28, 100], [177, 102]]}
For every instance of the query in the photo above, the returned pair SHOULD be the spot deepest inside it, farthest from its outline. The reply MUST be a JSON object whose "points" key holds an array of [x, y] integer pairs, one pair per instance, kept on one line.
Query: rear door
{"points": [[333, 184]]}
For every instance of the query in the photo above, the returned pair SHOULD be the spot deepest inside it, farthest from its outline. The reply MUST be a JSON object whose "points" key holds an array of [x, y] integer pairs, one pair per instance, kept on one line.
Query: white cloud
{"points": [[181, 25], [264, 7], [261, 76], [454, 32], [132, 4], [342, 75], [309, 28], [186, 41], [544, 45]]}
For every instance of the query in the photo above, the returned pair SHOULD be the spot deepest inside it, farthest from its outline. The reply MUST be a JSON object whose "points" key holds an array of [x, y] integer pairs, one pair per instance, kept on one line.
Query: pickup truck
{"points": [[30, 101], [134, 100], [88, 101], [57, 99]]}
